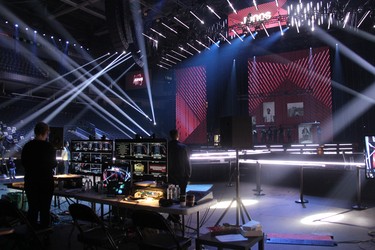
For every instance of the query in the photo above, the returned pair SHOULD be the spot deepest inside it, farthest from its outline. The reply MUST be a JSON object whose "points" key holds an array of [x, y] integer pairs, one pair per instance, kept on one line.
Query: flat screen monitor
{"points": [[369, 156], [120, 174]]}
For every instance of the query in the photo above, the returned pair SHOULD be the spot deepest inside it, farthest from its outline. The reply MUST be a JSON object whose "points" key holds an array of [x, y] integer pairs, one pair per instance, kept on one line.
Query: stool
{"points": [[209, 240]]}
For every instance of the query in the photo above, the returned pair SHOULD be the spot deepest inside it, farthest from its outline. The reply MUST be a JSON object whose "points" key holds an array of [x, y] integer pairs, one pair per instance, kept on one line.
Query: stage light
{"points": [[179, 54], [26, 28], [251, 33], [168, 60], [265, 30], [225, 38], [152, 39], [173, 57], [363, 18], [161, 66], [237, 35], [35, 32], [178, 20], [191, 46], [277, 3], [209, 38], [255, 4], [230, 5], [169, 28], [281, 29], [169, 65], [202, 44], [182, 49], [157, 32], [200, 20], [213, 12]]}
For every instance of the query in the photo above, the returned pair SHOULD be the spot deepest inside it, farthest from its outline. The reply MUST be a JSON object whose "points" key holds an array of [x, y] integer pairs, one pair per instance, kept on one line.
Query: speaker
{"points": [[56, 137], [236, 132]]}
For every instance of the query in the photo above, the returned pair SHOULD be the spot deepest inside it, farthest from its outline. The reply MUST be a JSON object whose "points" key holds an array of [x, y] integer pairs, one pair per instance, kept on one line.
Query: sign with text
{"points": [[268, 13]]}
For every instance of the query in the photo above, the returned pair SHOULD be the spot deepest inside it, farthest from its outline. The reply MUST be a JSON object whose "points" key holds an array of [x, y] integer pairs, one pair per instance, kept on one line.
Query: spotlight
{"points": [[265, 30], [225, 38], [230, 4], [169, 28], [178, 20], [200, 20], [213, 12]]}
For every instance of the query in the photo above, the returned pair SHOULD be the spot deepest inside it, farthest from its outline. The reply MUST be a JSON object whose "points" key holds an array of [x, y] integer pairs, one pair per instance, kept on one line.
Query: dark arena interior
{"points": [[272, 99]]}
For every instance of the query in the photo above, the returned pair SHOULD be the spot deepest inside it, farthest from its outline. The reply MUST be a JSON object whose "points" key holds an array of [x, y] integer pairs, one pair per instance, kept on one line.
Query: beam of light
{"points": [[231, 6], [212, 10], [157, 32], [168, 60], [225, 204], [237, 35], [200, 20], [281, 29], [169, 28], [182, 49], [363, 18], [74, 92], [322, 218], [202, 44], [265, 30], [255, 4], [54, 53], [277, 3], [213, 42], [178, 59], [179, 54], [149, 37], [330, 40], [161, 66], [138, 24], [251, 33], [178, 20], [225, 38], [191, 46], [129, 101], [9, 102]]}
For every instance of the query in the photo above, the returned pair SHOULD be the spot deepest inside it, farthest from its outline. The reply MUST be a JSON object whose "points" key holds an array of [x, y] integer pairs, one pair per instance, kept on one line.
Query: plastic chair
{"points": [[17, 232], [93, 232], [161, 236]]}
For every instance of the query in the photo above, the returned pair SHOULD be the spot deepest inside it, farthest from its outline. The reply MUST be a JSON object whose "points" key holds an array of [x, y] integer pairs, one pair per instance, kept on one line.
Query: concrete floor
{"points": [[276, 209]]}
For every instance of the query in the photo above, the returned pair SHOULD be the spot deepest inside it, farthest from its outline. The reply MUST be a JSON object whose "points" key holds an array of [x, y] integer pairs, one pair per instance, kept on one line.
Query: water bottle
{"points": [[178, 191], [90, 184]]}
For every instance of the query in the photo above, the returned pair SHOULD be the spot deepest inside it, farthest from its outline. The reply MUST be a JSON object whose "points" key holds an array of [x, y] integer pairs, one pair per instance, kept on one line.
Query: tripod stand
{"points": [[240, 208]]}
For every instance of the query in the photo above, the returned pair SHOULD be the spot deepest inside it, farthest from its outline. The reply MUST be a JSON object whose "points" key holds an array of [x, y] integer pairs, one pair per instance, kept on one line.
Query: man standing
{"points": [[179, 168], [39, 159], [65, 155]]}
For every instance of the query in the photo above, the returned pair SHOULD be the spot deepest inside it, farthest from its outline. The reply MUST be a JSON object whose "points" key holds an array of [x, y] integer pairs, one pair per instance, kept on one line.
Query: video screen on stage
{"points": [[369, 156]]}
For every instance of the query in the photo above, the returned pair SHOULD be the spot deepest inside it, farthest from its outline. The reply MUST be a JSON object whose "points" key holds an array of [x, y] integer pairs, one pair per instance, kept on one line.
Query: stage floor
{"points": [[277, 211]]}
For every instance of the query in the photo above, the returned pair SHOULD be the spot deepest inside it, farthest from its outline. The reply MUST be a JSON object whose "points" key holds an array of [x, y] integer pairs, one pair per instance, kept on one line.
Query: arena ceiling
{"points": [[103, 26]]}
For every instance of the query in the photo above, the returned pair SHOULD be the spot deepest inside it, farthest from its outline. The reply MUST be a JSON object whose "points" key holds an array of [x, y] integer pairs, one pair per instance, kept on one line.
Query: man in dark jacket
{"points": [[179, 168], [38, 157]]}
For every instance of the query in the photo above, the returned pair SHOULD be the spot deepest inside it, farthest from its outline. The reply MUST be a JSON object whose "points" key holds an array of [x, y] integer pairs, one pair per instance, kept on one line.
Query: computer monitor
{"points": [[116, 179], [370, 156]]}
